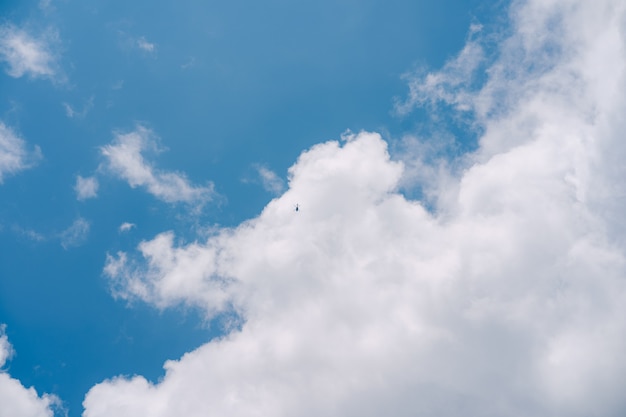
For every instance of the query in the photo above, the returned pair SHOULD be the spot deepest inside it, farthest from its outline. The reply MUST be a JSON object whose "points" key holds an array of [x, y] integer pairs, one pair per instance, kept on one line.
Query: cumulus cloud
{"points": [[17, 400], [26, 54], [14, 153], [76, 234], [505, 299], [86, 187], [125, 159]]}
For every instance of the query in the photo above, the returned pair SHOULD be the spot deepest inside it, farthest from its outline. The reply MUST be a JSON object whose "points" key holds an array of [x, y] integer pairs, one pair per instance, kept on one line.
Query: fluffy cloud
{"points": [[26, 54], [86, 187], [125, 159], [505, 299], [17, 400], [14, 153], [6, 350]]}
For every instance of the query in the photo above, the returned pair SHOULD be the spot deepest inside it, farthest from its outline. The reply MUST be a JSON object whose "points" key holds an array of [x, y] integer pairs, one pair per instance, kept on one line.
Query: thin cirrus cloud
{"points": [[17, 400], [73, 236], [270, 181], [126, 227], [132, 43], [125, 159], [30, 234], [76, 234], [86, 187], [505, 299], [26, 54], [73, 112], [15, 155], [129, 41], [144, 45]]}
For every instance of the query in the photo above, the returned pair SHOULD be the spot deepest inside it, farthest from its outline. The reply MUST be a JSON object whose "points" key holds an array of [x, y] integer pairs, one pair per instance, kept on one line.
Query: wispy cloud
{"points": [[86, 187], [125, 159], [29, 234], [26, 54], [144, 45], [130, 41], [270, 181], [14, 153], [189, 63], [72, 112], [76, 234], [126, 227], [450, 85], [46, 5]]}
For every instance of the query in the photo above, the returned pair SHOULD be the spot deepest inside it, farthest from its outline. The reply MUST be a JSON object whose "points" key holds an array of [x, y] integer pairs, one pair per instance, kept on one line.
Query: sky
{"points": [[457, 166]]}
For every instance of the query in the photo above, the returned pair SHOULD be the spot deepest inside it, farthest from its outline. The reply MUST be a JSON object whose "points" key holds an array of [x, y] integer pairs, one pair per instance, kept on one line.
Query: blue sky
{"points": [[457, 168]]}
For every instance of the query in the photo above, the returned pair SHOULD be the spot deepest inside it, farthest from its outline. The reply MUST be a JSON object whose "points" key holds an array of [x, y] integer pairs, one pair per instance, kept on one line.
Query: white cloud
{"points": [[126, 227], [451, 84], [6, 350], [17, 400], [270, 180], [143, 44], [505, 300], [191, 62], [132, 43], [26, 54], [14, 153], [71, 112], [76, 234], [29, 233], [86, 187], [46, 5], [125, 159]]}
